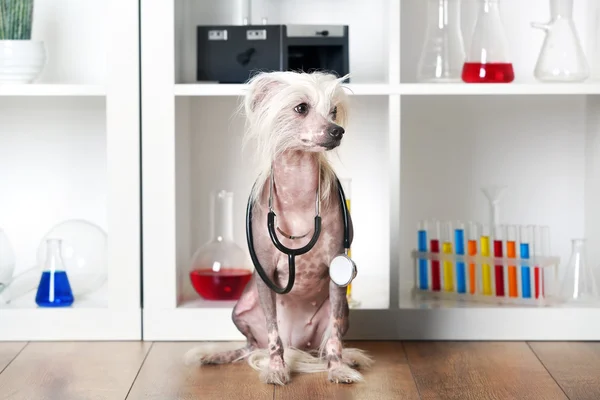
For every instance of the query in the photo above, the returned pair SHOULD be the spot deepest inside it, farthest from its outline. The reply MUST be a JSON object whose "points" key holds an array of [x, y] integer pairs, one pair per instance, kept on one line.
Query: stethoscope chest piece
{"points": [[342, 270]]}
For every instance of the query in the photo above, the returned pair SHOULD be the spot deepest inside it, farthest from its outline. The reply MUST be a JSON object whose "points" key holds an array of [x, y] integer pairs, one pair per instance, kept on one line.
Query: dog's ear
{"points": [[259, 88]]}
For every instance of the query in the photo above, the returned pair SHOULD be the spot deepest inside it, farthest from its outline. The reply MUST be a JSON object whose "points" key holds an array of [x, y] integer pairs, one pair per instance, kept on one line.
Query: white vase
{"points": [[21, 61]]}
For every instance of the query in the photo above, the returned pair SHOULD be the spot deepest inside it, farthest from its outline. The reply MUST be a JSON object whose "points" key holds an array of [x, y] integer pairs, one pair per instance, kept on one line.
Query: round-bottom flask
{"points": [[219, 269]]}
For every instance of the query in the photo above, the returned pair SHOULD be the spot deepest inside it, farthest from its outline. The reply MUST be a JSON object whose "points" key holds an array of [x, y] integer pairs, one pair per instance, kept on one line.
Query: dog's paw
{"points": [[340, 372], [277, 373]]}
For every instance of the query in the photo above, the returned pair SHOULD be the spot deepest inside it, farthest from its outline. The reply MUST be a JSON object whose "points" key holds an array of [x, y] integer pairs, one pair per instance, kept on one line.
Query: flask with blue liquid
{"points": [[54, 289]]}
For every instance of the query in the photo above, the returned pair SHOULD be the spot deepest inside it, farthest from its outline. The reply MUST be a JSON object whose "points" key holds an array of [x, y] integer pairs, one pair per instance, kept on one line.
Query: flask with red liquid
{"points": [[488, 60], [220, 269]]}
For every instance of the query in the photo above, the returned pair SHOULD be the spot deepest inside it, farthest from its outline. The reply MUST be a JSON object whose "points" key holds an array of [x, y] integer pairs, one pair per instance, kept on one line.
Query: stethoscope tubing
{"points": [[291, 253]]}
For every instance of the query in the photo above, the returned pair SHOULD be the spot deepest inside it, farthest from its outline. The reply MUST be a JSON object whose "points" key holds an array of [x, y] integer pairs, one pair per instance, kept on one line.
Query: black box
{"points": [[233, 53]]}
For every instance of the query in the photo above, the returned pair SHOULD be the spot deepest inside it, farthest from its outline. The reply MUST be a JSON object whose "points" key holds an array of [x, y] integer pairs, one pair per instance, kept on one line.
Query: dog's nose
{"points": [[336, 132]]}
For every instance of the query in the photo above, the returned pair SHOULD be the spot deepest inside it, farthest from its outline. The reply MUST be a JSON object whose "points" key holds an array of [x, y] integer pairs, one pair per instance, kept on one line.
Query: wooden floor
{"points": [[402, 370]]}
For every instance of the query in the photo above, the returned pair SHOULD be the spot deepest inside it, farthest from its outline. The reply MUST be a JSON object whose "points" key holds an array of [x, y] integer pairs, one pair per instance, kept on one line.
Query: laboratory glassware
{"points": [[459, 248], [493, 194], [220, 268], [347, 186], [7, 261], [54, 289], [443, 54], [499, 235], [422, 247], [447, 248], [578, 283], [473, 233], [511, 252], [488, 59], [434, 245], [84, 251], [525, 246], [561, 58]]}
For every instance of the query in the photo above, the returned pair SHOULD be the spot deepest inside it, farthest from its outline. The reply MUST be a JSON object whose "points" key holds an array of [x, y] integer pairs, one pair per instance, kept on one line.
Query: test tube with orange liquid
{"points": [[486, 269], [347, 186], [473, 235], [511, 252]]}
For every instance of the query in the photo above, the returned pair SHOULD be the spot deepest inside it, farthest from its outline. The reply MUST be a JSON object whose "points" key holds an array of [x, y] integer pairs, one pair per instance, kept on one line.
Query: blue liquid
{"points": [[422, 243], [459, 244], [63, 296], [525, 277]]}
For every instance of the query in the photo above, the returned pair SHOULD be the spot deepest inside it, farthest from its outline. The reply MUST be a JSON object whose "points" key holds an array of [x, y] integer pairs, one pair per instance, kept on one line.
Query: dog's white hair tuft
{"points": [[270, 126]]}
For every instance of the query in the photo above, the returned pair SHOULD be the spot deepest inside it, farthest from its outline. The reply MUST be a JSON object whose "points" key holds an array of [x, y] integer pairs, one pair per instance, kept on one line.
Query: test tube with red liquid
{"points": [[541, 249], [434, 245], [499, 253]]}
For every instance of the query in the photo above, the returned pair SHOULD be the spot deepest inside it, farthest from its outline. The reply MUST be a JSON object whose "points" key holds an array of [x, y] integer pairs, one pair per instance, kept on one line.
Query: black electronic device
{"points": [[233, 53]]}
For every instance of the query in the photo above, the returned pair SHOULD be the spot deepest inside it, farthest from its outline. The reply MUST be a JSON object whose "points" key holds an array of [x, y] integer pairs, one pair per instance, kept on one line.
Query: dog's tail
{"points": [[202, 355]]}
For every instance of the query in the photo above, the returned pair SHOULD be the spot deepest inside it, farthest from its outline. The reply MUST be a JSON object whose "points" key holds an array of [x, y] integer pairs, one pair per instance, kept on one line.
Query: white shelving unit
{"points": [[413, 150], [70, 149]]}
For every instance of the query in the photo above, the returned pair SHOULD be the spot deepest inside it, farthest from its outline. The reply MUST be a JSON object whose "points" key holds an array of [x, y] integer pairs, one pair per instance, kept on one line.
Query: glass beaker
{"points": [[54, 289], [579, 283], [561, 58], [488, 60], [443, 52], [220, 269]]}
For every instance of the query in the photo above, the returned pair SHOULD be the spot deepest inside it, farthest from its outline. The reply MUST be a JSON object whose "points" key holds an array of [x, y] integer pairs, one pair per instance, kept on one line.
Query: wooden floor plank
{"points": [[73, 370], [479, 370], [164, 376], [8, 351], [388, 378], [575, 366]]}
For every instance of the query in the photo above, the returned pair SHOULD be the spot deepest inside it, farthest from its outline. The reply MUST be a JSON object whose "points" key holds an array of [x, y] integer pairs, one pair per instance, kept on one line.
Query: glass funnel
{"points": [[488, 60], [443, 52], [54, 289], [220, 268], [561, 58], [579, 283]]}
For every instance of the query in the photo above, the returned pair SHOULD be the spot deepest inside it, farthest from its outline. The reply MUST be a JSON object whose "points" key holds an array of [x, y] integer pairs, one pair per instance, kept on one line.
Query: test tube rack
{"points": [[498, 278]]}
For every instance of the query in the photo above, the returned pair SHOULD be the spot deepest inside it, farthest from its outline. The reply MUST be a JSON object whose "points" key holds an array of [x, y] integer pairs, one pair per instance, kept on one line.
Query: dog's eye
{"points": [[301, 108], [334, 112]]}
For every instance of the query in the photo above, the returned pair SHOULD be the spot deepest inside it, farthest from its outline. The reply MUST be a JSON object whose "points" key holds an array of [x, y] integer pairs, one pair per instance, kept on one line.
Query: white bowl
{"points": [[21, 61]]}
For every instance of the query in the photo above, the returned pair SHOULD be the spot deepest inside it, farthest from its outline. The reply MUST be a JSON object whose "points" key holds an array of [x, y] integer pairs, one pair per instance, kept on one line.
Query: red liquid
{"points": [[435, 267], [499, 269], [488, 73], [227, 284], [539, 282]]}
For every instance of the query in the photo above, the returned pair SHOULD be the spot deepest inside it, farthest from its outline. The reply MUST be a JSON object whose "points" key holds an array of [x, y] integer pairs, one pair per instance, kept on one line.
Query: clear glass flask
{"points": [[561, 58], [443, 52], [488, 59], [7, 261], [54, 289], [347, 186], [220, 268], [578, 282]]}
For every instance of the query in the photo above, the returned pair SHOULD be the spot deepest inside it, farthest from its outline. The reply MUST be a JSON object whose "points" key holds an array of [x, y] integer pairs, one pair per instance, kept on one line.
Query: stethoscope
{"points": [[342, 270]]}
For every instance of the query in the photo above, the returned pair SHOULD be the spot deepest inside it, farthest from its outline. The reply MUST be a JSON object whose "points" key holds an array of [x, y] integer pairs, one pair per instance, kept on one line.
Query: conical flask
{"points": [[220, 268], [443, 52], [561, 58], [579, 283], [488, 59], [54, 289]]}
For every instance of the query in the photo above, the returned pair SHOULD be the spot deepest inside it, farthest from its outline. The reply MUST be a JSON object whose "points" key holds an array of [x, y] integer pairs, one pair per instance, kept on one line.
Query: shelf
{"points": [[216, 89], [411, 89], [500, 89], [52, 90]]}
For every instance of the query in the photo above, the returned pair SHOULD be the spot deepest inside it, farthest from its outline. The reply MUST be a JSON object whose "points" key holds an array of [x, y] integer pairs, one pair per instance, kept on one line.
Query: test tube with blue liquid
{"points": [[525, 242], [459, 248], [423, 262]]}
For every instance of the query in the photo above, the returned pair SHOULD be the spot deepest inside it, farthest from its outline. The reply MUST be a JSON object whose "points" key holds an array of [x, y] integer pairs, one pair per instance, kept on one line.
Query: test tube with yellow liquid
{"points": [[347, 186], [447, 249], [486, 269]]}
